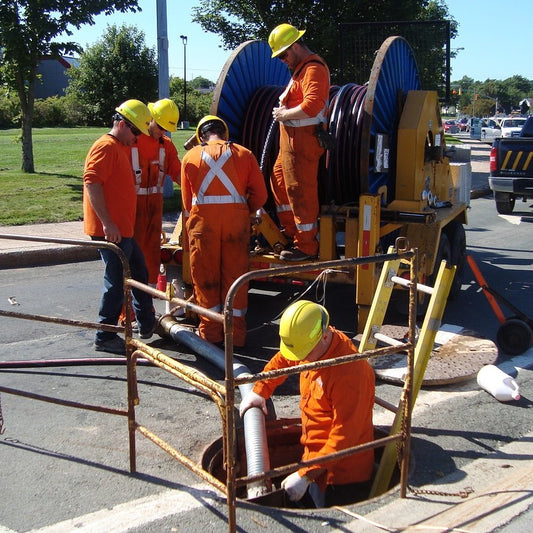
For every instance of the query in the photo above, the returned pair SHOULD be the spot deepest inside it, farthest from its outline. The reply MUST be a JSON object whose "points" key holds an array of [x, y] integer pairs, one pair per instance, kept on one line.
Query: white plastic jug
{"points": [[496, 382]]}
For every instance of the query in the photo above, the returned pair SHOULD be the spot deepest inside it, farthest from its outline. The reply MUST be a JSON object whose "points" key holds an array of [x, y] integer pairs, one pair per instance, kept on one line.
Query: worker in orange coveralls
{"points": [[302, 112], [153, 158], [221, 187], [336, 407]]}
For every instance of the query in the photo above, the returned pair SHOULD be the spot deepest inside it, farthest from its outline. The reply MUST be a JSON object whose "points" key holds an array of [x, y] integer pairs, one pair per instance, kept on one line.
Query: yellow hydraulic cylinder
{"points": [[270, 231]]}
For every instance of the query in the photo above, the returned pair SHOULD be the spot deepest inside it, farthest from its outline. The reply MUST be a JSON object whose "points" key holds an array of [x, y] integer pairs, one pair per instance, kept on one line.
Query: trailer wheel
{"points": [[457, 238], [514, 336], [444, 253], [504, 202]]}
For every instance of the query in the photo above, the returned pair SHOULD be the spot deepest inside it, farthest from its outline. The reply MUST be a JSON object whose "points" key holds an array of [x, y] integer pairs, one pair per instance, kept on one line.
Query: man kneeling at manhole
{"points": [[336, 408]]}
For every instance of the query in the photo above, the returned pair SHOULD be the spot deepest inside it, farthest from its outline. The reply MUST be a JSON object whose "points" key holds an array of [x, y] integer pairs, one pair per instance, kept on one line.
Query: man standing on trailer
{"points": [[221, 187], [302, 112], [336, 407]]}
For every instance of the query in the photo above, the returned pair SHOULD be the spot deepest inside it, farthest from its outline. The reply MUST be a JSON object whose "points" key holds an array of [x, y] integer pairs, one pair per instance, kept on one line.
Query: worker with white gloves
{"points": [[336, 408], [252, 400]]}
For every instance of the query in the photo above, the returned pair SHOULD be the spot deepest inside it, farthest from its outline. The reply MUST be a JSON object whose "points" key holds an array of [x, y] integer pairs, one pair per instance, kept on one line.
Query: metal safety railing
{"points": [[68, 322], [224, 395], [402, 436]]}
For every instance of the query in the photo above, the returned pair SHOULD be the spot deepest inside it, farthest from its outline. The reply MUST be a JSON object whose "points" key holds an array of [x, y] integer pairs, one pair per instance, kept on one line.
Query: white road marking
{"points": [[136, 513], [512, 219]]}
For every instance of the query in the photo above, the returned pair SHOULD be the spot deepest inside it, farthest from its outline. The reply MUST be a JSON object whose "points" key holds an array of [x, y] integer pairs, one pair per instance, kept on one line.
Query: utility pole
{"points": [[162, 48], [184, 41]]}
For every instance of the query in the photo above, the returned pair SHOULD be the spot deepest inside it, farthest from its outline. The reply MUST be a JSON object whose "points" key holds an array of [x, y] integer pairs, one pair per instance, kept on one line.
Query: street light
{"points": [[184, 41]]}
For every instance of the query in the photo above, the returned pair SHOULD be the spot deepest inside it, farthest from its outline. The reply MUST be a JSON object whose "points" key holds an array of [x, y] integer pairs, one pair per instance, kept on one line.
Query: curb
{"points": [[47, 256], [480, 193]]}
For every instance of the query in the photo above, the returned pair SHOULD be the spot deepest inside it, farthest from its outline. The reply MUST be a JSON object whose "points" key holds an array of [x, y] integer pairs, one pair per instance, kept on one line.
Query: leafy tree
{"points": [[237, 21], [27, 32], [198, 103], [117, 67], [200, 82], [508, 92]]}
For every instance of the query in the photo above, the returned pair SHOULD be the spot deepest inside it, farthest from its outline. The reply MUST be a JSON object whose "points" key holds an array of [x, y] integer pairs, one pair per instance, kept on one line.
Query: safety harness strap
{"points": [[215, 170], [154, 189]]}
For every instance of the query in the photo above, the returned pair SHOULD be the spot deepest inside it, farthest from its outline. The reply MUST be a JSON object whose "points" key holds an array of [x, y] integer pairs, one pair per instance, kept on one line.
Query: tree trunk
{"points": [[27, 145], [27, 101]]}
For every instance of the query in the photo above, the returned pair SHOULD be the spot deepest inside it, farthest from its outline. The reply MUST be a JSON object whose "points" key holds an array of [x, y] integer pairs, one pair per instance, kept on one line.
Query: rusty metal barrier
{"points": [[63, 321], [224, 395], [402, 437]]}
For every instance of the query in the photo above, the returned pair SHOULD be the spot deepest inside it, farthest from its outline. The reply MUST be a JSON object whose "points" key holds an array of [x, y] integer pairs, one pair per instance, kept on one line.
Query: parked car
{"points": [[511, 175], [511, 127], [463, 124], [450, 126], [490, 130]]}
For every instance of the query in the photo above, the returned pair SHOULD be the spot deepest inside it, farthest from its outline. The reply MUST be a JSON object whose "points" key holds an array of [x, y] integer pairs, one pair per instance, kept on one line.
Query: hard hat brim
{"points": [[168, 126], [291, 354], [281, 50]]}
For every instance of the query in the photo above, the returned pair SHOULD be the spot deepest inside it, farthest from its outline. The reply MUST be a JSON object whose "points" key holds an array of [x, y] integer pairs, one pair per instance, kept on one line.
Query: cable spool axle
{"points": [[362, 117]]}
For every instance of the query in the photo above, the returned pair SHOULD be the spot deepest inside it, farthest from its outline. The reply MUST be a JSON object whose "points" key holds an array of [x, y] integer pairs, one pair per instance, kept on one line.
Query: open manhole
{"points": [[284, 448]]}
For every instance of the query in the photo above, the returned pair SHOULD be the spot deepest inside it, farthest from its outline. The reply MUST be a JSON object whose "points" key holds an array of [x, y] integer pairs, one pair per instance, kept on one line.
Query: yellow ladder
{"points": [[424, 346]]}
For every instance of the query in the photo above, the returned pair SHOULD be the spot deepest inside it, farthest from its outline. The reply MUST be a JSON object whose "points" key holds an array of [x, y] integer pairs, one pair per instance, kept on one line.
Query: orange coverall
{"points": [[294, 178], [221, 185], [336, 407], [155, 159]]}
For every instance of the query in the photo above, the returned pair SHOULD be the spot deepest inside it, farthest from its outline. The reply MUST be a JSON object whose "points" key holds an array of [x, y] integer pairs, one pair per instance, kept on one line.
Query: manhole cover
{"points": [[458, 355]]}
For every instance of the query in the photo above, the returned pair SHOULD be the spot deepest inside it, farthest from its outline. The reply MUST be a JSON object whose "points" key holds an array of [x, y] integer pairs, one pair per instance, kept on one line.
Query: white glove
{"points": [[295, 486], [252, 399]]}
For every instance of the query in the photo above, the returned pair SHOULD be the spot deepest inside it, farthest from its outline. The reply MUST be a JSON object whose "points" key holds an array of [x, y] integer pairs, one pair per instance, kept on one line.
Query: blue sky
{"points": [[495, 37], [493, 33]]}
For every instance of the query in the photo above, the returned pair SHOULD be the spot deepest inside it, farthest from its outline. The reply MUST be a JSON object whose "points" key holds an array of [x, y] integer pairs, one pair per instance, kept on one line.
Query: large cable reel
{"points": [[361, 117]]}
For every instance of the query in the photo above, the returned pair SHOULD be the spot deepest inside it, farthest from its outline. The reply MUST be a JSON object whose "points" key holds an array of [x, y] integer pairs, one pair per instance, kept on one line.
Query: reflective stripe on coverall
{"points": [[336, 407], [221, 185], [152, 161], [295, 173]]}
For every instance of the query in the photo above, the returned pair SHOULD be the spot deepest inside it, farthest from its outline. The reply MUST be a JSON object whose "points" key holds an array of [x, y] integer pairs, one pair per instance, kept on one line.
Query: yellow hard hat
{"points": [[166, 113], [137, 113], [204, 124], [300, 329], [283, 36]]}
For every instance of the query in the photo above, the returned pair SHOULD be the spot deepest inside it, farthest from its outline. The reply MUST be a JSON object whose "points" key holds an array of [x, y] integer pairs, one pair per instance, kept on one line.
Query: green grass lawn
{"points": [[54, 192]]}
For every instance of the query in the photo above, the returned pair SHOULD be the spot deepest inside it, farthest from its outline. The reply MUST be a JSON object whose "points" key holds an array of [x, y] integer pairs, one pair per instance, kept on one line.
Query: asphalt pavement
{"points": [[501, 483]]}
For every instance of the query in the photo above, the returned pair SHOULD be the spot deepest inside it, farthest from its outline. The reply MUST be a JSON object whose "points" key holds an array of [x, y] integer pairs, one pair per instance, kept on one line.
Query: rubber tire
{"points": [[504, 202], [457, 237], [514, 336]]}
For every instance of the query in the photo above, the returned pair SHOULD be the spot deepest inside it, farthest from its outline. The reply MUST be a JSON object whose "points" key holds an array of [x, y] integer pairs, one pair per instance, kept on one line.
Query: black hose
{"points": [[340, 166]]}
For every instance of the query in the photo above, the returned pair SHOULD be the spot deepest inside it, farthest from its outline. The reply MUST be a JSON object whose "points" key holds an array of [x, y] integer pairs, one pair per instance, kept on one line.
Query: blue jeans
{"points": [[113, 291]]}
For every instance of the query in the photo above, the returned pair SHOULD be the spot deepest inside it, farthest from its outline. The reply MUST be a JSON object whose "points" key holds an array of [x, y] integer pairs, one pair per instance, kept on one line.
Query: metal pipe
{"points": [[255, 436]]}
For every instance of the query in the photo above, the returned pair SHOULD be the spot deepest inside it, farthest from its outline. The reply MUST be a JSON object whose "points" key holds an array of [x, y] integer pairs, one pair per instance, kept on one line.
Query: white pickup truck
{"points": [[505, 127]]}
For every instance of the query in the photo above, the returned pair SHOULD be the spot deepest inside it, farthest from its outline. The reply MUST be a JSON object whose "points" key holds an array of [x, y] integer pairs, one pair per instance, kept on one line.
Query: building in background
{"points": [[53, 79]]}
